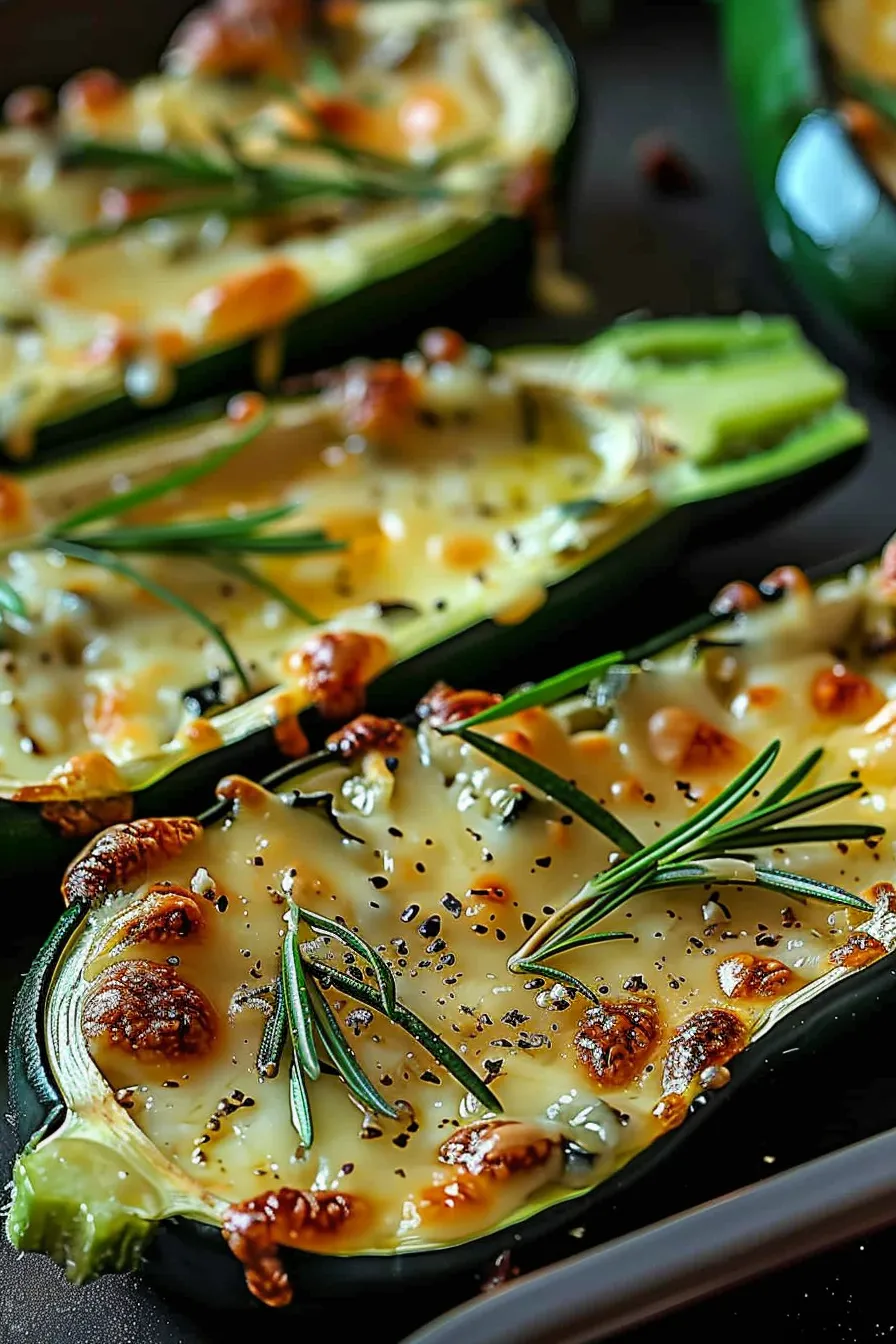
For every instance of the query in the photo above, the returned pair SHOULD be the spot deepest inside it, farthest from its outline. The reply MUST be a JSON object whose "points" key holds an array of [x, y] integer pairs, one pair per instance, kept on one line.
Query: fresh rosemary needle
{"points": [[302, 1012], [221, 541], [710, 846]]}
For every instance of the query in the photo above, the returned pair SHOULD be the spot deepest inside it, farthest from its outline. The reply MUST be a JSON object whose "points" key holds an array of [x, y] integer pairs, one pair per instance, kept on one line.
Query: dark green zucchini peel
{"points": [[770, 901], [808, 126], [689, 422]]}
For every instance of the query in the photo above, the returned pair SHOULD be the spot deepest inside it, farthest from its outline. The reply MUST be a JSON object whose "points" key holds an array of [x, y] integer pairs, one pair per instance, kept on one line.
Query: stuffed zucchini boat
{"points": [[152, 622], [248, 203], [445, 978], [815, 91]]}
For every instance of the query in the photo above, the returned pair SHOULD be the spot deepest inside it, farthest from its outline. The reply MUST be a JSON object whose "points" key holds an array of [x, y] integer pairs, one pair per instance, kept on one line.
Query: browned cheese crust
{"points": [[745, 976], [615, 1039], [145, 1007], [124, 853], [255, 1228], [334, 668], [167, 911], [709, 1037], [443, 704], [366, 733]]}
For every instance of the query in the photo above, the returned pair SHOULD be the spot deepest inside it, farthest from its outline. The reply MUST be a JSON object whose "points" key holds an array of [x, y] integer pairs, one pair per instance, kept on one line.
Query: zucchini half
{"points": [[580, 472], [710, 980], [165, 241], [819, 137]]}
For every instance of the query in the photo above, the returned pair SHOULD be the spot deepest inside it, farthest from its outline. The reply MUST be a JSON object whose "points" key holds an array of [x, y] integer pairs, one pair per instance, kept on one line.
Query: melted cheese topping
{"points": [[88, 322], [459, 515], [446, 890]]}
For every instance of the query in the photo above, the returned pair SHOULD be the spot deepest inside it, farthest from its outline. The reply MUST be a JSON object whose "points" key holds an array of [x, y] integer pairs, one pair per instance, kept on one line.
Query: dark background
{"points": [[656, 69]]}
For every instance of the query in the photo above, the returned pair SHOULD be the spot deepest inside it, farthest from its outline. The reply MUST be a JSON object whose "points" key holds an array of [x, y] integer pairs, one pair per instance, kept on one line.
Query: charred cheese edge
{"points": [[86, 323], [446, 888]]}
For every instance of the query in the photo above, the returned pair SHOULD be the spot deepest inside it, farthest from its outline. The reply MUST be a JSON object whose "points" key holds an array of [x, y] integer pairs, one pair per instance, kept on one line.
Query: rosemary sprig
{"points": [[556, 787], [555, 688], [708, 847], [218, 541], [105, 560], [178, 478], [301, 1011]]}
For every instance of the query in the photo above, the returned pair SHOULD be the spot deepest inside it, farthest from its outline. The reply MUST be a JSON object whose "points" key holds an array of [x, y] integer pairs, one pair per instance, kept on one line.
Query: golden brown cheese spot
{"points": [[744, 976], [441, 345], [443, 704], [250, 301], [528, 187], [785, 579], [255, 1228], [200, 735], [883, 896], [710, 1036], [843, 694], [166, 912], [145, 1007], [378, 399], [366, 733], [735, 598], [81, 820], [497, 1148], [681, 739], [90, 775], [289, 735], [616, 1038], [29, 106], [90, 95], [860, 949], [242, 791], [15, 506], [236, 37], [334, 667], [757, 697], [126, 853], [861, 121]]}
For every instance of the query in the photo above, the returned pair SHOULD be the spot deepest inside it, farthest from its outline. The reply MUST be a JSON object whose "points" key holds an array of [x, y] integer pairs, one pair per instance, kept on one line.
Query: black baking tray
{"points": [[656, 72]]}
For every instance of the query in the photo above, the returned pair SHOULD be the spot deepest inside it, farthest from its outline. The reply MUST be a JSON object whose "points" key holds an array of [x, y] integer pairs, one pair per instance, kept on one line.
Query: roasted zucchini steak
{"points": [[244, 205], [424, 987], [149, 620]]}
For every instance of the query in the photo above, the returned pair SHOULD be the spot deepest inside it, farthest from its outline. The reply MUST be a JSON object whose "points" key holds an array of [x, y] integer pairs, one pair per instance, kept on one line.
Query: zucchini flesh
{"points": [[815, 669]]}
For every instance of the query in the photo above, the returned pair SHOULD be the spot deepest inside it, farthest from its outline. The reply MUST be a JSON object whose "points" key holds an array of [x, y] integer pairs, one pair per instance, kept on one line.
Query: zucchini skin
{"points": [[191, 1259], [383, 317], [33, 848], [830, 222]]}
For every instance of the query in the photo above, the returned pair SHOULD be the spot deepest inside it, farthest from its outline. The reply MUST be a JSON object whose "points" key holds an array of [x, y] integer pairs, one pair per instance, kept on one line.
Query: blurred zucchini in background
{"points": [[280, 194], [403, 519]]}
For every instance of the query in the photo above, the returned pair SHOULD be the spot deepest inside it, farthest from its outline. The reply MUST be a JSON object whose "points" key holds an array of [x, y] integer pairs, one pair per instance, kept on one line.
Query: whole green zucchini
{"points": [[283, 192], [818, 138], [393, 1109], [469, 501]]}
